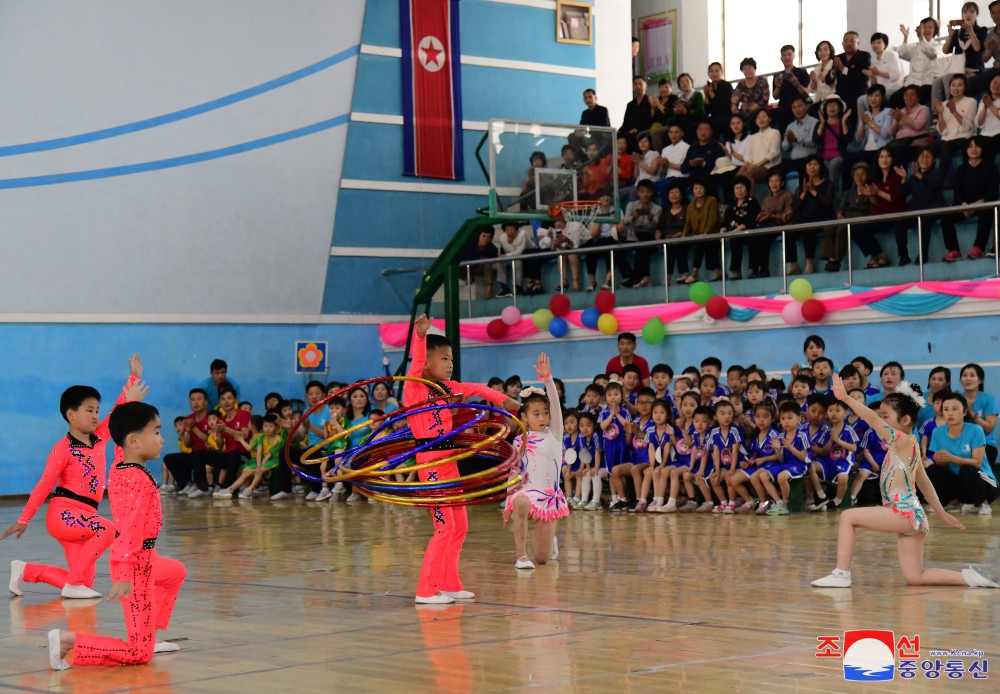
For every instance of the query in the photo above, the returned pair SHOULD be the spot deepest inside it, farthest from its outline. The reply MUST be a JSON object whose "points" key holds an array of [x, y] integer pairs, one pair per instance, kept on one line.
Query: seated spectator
{"points": [[219, 376], [854, 203], [382, 398], [976, 180], [886, 193], [640, 222], [538, 160], [603, 234], [764, 152], [798, 143], [960, 473], [823, 79], [831, 137], [673, 155], [967, 38], [988, 120], [626, 356], [789, 84], [516, 240], [672, 223], [983, 409], [626, 168], [736, 142], [956, 121], [775, 211], [188, 468], [885, 70], [751, 93], [595, 175], [638, 114], [562, 190], [566, 236], [594, 114], [925, 186], [923, 55], [910, 127], [740, 215], [663, 104], [702, 155], [718, 98], [483, 248], [702, 219], [852, 82], [874, 125], [689, 108], [812, 203], [647, 163]]}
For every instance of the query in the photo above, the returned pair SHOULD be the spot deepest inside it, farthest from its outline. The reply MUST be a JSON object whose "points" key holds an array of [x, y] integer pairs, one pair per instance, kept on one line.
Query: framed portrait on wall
{"points": [[658, 45], [574, 22]]}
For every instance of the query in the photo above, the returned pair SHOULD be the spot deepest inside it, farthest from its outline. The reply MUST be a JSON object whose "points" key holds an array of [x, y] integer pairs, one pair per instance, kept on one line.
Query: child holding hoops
{"points": [[901, 512], [539, 498]]}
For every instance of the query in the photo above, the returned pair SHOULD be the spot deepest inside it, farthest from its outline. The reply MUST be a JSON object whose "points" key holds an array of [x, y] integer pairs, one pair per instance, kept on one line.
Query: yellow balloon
{"points": [[607, 324]]}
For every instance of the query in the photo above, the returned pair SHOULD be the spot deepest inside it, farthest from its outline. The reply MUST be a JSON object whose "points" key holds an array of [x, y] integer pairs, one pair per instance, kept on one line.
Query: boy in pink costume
{"points": [[432, 361]]}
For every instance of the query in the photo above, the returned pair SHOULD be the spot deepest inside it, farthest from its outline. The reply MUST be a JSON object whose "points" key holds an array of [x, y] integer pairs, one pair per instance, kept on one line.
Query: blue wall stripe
{"points": [[148, 123], [89, 175]]}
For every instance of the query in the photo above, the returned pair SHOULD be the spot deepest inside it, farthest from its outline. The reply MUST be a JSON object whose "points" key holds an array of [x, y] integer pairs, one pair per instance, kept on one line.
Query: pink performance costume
{"points": [[440, 569], [79, 470], [156, 580], [543, 458]]}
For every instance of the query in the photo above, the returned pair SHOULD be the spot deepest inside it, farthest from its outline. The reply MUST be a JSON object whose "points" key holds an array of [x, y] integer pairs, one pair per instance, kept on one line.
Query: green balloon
{"points": [[701, 292], [541, 318], [801, 289], [654, 331]]}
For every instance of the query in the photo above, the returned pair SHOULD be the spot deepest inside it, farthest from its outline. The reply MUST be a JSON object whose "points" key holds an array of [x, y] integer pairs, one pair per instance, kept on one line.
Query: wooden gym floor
{"points": [[317, 597]]}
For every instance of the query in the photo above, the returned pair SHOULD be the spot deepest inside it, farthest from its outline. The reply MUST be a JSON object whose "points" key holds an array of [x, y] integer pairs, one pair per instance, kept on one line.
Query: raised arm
{"points": [[544, 370], [878, 425], [130, 392]]}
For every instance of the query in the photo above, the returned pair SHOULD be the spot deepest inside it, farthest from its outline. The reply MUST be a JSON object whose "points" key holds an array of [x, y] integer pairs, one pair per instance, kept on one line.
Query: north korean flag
{"points": [[432, 96]]}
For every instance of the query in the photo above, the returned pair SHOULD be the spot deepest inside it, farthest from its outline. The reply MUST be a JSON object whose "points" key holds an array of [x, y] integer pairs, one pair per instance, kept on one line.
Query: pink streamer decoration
{"points": [[633, 319]]}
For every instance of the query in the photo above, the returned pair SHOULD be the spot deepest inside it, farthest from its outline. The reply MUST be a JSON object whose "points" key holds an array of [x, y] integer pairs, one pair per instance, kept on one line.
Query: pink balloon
{"points": [[792, 314], [510, 315]]}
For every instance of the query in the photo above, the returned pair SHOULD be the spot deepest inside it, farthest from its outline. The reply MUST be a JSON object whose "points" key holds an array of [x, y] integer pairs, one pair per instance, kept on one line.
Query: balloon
{"points": [[589, 317], [559, 305], [792, 313], [654, 331], [496, 328], [542, 318], [510, 315], [717, 307], [800, 289], [605, 301], [701, 292], [813, 310], [558, 327], [607, 324]]}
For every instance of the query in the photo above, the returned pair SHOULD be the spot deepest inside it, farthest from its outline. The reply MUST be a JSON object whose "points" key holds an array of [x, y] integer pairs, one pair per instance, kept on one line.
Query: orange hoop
{"points": [[582, 211]]}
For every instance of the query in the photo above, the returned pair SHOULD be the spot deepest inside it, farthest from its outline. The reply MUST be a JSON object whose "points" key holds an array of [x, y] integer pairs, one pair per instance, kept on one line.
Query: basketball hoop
{"points": [[582, 211]]}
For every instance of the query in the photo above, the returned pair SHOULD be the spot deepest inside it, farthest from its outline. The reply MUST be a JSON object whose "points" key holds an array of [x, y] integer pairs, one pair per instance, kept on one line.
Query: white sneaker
{"points": [[704, 508], [985, 510], [188, 488], [223, 494], [167, 489], [338, 489], [459, 594], [354, 497], [689, 506], [438, 599], [79, 592], [836, 579], [324, 494], [977, 578], [280, 495], [669, 507], [968, 508], [311, 496], [555, 549], [524, 563], [594, 505], [764, 507], [196, 493], [747, 508], [246, 493], [16, 574], [166, 647], [298, 489], [56, 661]]}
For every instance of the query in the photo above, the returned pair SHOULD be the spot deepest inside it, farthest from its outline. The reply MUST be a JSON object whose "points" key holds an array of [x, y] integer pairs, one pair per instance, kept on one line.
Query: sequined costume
{"points": [[542, 456], [896, 483], [77, 470], [156, 580], [440, 568]]}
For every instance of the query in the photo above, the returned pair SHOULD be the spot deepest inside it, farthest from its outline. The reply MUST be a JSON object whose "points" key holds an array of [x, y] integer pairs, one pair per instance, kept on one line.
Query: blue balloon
{"points": [[590, 317], [558, 327]]}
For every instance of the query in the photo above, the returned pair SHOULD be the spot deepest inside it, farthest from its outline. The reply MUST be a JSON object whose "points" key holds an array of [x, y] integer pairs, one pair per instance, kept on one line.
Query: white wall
{"points": [[245, 234], [613, 57], [699, 31]]}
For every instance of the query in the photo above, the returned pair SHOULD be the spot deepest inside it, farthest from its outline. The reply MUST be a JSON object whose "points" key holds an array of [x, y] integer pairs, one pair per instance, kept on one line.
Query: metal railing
{"points": [[721, 238]]}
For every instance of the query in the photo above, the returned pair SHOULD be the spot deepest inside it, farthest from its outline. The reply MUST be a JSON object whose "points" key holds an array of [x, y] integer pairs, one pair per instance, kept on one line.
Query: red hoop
{"points": [[582, 211]]}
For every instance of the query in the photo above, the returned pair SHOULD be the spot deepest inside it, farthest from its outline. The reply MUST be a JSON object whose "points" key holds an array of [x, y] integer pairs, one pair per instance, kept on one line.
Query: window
{"points": [[824, 20], [759, 30]]}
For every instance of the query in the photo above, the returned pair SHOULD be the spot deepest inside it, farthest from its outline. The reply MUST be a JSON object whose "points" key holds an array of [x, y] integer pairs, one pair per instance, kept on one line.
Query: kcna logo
{"points": [[869, 654]]}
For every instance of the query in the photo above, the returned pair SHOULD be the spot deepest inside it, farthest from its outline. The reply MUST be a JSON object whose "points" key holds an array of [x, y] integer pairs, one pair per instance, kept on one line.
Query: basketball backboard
{"points": [[535, 165]]}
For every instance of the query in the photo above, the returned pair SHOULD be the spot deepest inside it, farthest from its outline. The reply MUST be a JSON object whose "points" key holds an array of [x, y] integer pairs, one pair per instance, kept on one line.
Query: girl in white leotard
{"points": [[901, 513]]}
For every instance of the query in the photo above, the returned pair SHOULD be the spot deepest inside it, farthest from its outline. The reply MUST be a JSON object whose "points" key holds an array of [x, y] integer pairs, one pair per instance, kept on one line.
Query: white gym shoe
{"points": [[764, 507], [280, 495], [196, 493], [594, 505], [312, 496], [977, 578], [79, 592], [56, 661], [324, 494], [459, 594], [704, 508], [16, 574], [246, 493], [165, 647], [669, 507], [747, 508], [836, 579], [167, 489], [188, 488], [689, 506], [985, 510], [555, 549], [968, 508], [524, 563], [354, 497], [223, 494], [437, 599], [338, 489]]}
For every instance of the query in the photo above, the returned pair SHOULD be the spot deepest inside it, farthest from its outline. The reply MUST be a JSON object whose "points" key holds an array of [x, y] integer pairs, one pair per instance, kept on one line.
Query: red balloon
{"points": [[559, 305], [717, 307], [813, 310], [496, 328], [605, 301]]}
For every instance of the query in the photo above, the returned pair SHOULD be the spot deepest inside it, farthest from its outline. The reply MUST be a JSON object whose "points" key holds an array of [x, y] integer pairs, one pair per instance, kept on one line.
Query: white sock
{"points": [[598, 487], [658, 500], [585, 489], [614, 498]]}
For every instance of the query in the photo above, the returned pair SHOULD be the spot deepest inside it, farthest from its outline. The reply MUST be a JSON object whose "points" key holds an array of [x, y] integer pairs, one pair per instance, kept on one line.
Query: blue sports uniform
{"points": [[640, 442], [757, 449], [571, 442], [724, 444], [615, 441], [839, 460], [789, 463]]}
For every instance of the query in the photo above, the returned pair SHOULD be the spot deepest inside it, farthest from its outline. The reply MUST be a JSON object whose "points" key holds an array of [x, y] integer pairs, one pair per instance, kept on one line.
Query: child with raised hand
{"points": [[571, 470], [539, 498], [657, 475], [615, 421], [793, 446], [901, 512], [726, 441], [702, 465], [591, 466], [265, 449]]}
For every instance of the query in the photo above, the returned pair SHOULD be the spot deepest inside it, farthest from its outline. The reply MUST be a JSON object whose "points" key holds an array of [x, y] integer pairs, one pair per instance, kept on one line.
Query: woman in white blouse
{"points": [[988, 119], [764, 152], [956, 120], [923, 55], [823, 79], [886, 69]]}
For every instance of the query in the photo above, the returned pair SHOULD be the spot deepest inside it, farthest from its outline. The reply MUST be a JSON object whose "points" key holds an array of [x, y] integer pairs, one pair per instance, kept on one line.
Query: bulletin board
{"points": [[658, 45]]}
